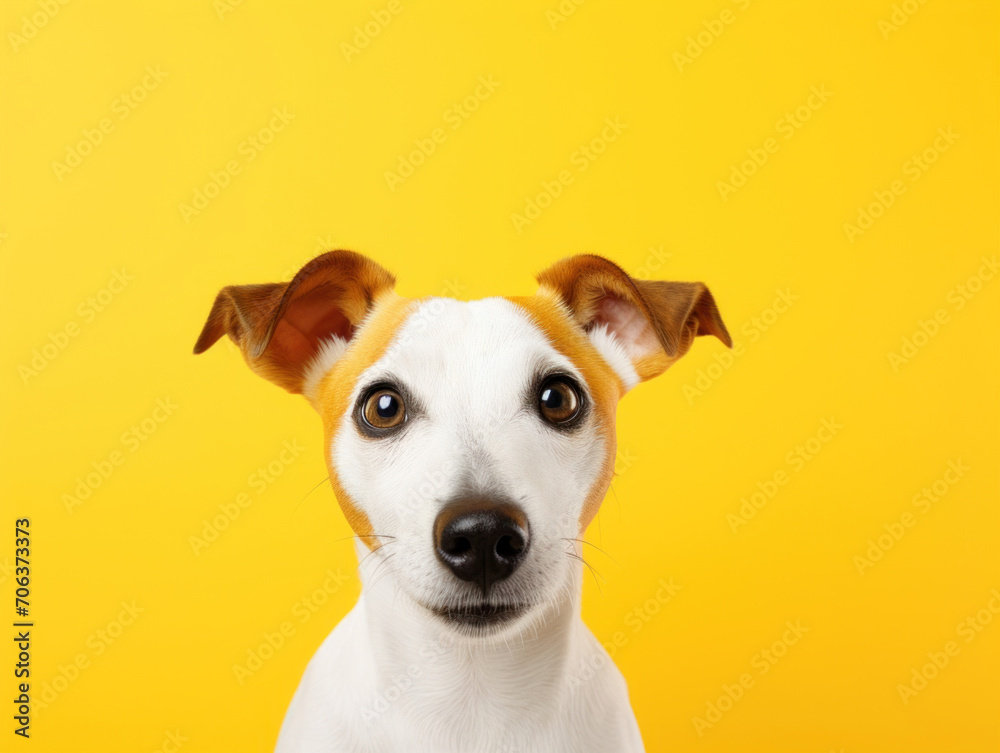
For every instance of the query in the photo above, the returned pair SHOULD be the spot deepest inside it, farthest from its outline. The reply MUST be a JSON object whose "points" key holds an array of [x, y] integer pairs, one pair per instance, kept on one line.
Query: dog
{"points": [[469, 445]]}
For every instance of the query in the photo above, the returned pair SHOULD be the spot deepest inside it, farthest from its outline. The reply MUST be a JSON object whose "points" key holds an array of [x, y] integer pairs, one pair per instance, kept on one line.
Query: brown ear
{"points": [[654, 322], [279, 326]]}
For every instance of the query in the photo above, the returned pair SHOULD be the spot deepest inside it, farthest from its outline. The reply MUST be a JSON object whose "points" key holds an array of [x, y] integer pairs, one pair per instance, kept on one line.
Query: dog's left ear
{"points": [[654, 322], [280, 327]]}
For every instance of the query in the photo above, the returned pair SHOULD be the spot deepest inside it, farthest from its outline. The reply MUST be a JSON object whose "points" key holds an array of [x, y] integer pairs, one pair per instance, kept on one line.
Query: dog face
{"points": [[469, 443]]}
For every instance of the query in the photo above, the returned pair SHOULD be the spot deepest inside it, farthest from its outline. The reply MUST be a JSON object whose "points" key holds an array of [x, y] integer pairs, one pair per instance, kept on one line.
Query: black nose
{"points": [[481, 542]]}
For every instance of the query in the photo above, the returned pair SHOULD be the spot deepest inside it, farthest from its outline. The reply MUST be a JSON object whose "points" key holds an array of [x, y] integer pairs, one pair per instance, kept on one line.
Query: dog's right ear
{"points": [[280, 327]]}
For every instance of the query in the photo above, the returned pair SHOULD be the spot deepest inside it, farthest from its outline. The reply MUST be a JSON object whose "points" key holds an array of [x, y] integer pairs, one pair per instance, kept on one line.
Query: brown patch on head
{"points": [[557, 323], [332, 398]]}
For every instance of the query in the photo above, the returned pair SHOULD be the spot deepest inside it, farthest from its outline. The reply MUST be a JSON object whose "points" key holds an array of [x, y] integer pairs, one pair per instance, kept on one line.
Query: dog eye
{"points": [[384, 409], [559, 400]]}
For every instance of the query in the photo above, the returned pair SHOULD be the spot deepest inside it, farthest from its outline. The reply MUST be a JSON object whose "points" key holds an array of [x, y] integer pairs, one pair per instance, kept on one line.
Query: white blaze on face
{"points": [[469, 374]]}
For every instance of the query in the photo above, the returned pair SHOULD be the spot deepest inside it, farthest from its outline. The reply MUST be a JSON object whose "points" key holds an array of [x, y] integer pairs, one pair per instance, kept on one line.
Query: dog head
{"points": [[471, 442]]}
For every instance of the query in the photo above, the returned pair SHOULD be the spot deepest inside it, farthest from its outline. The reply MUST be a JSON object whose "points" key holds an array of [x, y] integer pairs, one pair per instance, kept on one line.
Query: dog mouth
{"points": [[480, 616]]}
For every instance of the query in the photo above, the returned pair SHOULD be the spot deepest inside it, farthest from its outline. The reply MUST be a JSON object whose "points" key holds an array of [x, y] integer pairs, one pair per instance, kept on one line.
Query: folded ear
{"points": [[654, 323], [280, 327]]}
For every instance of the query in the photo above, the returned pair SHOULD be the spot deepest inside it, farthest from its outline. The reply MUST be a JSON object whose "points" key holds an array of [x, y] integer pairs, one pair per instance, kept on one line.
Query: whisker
{"points": [[592, 571], [390, 570], [583, 541], [382, 562], [385, 573], [362, 538], [362, 560], [618, 504], [310, 492], [395, 593]]}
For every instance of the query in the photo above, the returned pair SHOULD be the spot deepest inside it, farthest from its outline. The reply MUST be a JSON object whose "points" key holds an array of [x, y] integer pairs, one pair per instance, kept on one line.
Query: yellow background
{"points": [[686, 460]]}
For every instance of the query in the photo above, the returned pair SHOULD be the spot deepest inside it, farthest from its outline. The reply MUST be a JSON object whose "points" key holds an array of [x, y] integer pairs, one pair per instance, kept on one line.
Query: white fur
{"points": [[393, 676], [330, 351], [614, 352]]}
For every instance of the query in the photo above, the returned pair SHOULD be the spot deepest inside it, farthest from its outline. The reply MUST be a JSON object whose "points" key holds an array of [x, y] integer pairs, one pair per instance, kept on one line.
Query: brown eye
{"points": [[559, 401], [384, 409]]}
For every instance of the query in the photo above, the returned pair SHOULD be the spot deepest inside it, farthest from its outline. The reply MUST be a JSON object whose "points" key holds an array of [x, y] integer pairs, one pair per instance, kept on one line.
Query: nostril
{"points": [[456, 546], [509, 547]]}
